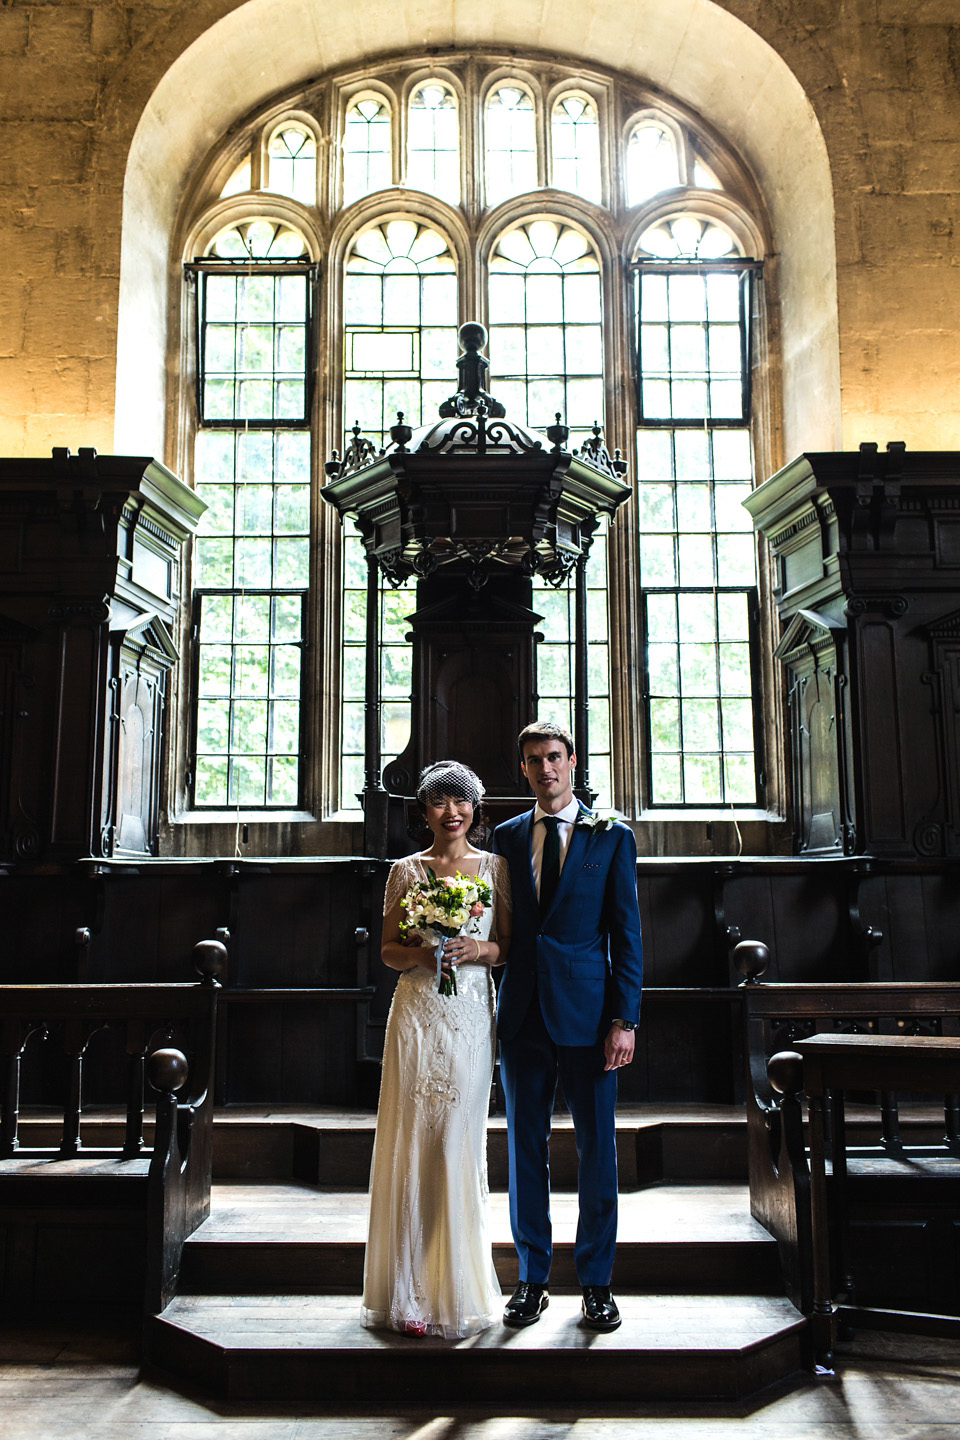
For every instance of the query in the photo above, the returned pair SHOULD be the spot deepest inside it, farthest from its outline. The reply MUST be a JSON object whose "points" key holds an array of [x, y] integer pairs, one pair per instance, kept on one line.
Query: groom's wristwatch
{"points": [[625, 1024]]}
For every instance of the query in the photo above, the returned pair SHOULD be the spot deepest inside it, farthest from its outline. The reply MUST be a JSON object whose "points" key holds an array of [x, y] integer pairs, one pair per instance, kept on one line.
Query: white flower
{"points": [[597, 819]]}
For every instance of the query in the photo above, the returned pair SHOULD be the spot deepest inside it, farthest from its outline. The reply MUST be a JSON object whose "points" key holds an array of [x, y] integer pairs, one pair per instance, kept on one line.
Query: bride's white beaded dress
{"points": [[429, 1268]]}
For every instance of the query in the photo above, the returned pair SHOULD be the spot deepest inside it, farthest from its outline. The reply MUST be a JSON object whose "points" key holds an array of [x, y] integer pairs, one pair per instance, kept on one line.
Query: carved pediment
{"points": [[946, 627], [152, 634], [810, 634]]}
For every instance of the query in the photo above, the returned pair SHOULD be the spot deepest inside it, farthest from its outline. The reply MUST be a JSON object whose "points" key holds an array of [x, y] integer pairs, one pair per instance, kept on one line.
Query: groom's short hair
{"points": [[544, 730]]}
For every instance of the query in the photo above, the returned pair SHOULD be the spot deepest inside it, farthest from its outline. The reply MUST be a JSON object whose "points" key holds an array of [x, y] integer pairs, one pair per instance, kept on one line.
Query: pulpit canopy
{"points": [[475, 491]]}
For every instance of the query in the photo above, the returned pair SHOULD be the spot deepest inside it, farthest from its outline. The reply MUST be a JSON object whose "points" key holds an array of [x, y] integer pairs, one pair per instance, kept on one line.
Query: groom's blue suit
{"points": [[569, 973]]}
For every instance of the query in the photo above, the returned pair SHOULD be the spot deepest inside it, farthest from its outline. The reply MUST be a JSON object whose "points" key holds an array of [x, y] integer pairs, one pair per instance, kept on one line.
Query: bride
{"points": [[428, 1268]]}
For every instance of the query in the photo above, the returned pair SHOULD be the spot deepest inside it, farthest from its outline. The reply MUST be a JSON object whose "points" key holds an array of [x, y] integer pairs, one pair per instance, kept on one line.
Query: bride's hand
{"points": [[462, 948]]}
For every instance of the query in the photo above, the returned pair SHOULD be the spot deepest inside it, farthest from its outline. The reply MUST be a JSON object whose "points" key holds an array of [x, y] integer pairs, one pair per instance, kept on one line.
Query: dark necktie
{"points": [[549, 862]]}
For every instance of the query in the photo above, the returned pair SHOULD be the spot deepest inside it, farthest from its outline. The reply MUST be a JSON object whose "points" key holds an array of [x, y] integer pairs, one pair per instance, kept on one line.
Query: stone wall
{"points": [[106, 107]]}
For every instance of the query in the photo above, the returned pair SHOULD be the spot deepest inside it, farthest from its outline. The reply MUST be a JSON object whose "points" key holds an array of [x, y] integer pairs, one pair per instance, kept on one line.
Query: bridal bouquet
{"points": [[444, 905]]}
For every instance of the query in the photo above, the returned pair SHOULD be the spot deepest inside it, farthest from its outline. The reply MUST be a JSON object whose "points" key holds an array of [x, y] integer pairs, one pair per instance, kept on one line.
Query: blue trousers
{"points": [[530, 1065]]}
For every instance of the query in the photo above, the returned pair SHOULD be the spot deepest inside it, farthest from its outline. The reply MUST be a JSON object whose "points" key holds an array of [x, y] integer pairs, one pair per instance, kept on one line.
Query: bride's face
{"points": [[449, 818]]}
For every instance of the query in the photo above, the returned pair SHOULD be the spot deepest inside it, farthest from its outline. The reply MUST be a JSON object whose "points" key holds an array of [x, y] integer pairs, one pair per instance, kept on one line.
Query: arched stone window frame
{"points": [[613, 229], [374, 209], [747, 223], [223, 214], [527, 81], [599, 94], [348, 94], [466, 123], [289, 120], [660, 117]]}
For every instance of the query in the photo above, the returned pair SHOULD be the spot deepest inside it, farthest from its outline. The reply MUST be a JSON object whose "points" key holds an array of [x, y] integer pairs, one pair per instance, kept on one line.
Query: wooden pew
{"points": [[94, 1224], [826, 1068], [902, 1199]]}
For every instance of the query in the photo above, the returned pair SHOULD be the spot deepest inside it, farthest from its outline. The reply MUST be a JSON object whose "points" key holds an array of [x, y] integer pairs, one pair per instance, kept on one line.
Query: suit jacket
{"points": [[585, 954]]}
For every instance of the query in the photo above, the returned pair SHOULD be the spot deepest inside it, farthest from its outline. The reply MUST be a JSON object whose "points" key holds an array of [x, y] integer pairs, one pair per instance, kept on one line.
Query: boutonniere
{"points": [[597, 819]]}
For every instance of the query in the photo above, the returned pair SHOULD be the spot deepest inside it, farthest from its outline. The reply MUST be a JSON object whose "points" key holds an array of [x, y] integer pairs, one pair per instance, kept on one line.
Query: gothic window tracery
{"points": [[292, 160], [374, 324]]}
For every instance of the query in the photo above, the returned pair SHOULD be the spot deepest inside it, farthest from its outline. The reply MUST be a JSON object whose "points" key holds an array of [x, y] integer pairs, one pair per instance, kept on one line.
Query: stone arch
{"points": [[694, 50]]}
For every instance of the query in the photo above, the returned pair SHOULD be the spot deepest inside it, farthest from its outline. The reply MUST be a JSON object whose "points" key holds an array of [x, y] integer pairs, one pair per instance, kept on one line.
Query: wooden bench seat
{"points": [[901, 1150], [98, 1223]]}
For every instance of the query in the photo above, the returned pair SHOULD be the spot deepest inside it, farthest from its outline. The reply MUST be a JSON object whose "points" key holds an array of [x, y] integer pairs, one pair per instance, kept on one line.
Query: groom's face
{"points": [[549, 771]]}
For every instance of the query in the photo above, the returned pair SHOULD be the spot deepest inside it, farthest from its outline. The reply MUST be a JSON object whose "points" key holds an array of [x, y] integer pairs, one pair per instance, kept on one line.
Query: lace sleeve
{"points": [[398, 882], [503, 902]]}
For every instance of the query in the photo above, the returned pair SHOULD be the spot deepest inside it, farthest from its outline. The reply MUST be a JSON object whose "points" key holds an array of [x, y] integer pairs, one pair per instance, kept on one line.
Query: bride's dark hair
{"points": [[449, 779]]}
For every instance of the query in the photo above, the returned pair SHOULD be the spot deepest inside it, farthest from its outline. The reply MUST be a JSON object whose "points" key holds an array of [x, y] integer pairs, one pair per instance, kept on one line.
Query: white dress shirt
{"points": [[567, 818]]}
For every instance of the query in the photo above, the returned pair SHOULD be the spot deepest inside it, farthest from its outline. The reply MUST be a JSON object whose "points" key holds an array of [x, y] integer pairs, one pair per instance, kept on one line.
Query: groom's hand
{"points": [[618, 1047]]}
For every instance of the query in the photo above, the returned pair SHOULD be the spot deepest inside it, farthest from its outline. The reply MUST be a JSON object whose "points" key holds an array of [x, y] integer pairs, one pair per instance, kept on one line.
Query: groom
{"points": [[569, 1005]]}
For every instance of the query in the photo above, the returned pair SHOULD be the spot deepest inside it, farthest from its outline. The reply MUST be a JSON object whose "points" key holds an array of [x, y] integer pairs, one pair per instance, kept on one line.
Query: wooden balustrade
{"points": [[154, 1194]]}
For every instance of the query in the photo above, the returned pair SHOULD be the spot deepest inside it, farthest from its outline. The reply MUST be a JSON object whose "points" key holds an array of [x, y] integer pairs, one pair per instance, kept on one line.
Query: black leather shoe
{"points": [[599, 1308], [526, 1305]]}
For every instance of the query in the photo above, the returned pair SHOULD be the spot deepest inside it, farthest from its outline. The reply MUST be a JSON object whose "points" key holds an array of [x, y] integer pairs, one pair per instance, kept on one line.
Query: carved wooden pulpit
{"points": [[89, 591], [473, 505]]}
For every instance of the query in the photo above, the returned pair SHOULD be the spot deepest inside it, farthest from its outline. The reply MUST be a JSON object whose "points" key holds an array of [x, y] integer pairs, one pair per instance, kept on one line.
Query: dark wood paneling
{"points": [[293, 927]]}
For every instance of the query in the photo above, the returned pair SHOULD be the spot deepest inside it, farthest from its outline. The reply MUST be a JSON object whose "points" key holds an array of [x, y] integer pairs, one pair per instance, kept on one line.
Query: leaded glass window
{"points": [[546, 343], [251, 574], [703, 176], [292, 156], [251, 558], [510, 143], [555, 660], [546, 356], [400, 326], [576, 147], [253, 321], [400, 354], [395, 348], [692, 331], [395, 669], [652, 164], [697, 551], [367, 154], [433, 142]]}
